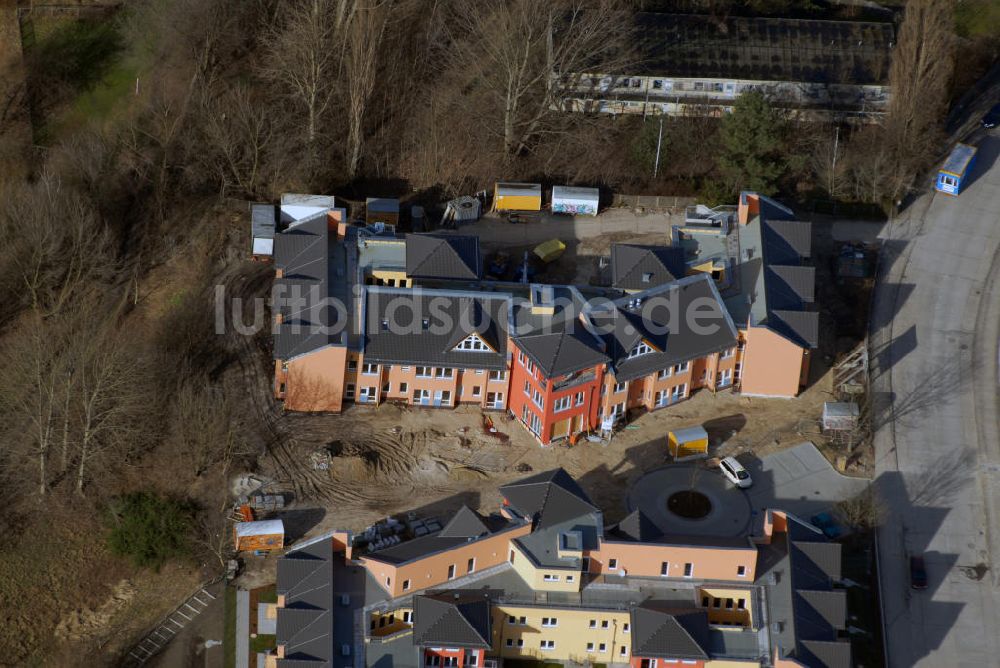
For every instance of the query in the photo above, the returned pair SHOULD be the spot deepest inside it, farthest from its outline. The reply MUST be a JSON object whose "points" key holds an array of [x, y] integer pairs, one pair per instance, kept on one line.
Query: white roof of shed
{"points": [[688, 434], [575, 192], [263, 246], [262, 528], [520, 189]]}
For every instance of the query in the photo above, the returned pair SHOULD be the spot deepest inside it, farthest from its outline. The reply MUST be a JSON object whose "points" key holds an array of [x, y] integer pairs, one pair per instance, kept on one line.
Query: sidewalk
{"points": [[242, 628]]}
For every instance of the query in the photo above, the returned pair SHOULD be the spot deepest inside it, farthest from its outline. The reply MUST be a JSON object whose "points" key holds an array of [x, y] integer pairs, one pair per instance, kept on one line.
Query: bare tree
{"points": [[239, 138], [56, 244], [302, 58], [32, 391], [364, 39], [920, 75], [110, 402], [201, 426], [523, 57]]}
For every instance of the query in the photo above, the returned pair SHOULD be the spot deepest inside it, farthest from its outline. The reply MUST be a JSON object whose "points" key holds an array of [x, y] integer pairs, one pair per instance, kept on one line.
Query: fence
{"points": [[656, 202]]}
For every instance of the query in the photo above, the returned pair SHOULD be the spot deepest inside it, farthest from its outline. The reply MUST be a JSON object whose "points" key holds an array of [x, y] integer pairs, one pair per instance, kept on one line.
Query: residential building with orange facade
{"points": [[365, 316], [544, 579]]}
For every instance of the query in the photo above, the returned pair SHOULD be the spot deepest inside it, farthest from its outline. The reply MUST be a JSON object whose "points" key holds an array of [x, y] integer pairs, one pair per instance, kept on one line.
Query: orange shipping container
{"points": [[265, 535]]}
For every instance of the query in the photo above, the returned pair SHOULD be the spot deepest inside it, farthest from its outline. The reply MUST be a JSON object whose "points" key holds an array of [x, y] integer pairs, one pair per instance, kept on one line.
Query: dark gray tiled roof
{"points": [[302, 253], [816, 560], [631, 263], [635, 527], [562, 353], [830, 605], [775, 285], [801, 327], [791, 285], [454, 619], [453, 535], [451, 316], [552, 497], [825, 654], [305, 624], [443, 256], [668, 307], [465, 523], [659, 631]]}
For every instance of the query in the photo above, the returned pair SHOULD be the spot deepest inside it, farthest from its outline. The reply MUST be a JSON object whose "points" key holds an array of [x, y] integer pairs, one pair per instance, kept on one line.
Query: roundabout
{"points": [[691, 501]]}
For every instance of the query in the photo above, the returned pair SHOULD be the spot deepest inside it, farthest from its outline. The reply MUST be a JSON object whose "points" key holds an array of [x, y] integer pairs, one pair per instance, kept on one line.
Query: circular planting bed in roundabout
{"points": [[689, 504]]}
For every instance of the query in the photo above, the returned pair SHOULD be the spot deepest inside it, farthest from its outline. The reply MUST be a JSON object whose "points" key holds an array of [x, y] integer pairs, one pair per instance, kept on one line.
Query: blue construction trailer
{"points": [[956, 169]]}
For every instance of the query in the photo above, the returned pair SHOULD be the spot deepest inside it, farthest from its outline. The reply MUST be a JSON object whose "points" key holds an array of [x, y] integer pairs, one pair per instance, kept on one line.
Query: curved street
{"points": [[934, 338]]}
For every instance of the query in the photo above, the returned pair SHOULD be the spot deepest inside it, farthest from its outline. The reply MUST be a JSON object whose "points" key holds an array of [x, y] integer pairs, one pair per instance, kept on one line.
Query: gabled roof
{"points": [[443, 256], [305, 624], [831, 606], [301, 252], [825, 654], [662, 319], [394, 332], [635, 527], [454, 619], [775, 285], [664, 632], [816, 561], [561, 353], [630, 264], [551, 497], [466, 523]]}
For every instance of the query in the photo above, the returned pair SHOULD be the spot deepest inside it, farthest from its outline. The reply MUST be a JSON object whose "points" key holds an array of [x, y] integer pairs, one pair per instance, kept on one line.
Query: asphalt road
{"points": [[935, 329]]}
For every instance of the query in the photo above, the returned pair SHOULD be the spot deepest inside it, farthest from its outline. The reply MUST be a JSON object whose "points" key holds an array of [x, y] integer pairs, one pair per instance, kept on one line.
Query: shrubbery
{"points": [[149, 529]]}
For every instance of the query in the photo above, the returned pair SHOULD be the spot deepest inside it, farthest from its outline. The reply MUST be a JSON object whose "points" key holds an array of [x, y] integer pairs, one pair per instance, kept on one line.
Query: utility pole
{"points": [[833, 168], [659, 142]]}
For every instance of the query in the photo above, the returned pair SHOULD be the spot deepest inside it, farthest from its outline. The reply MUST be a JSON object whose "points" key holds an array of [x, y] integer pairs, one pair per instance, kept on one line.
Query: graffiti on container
{"points": [[579, 209]]}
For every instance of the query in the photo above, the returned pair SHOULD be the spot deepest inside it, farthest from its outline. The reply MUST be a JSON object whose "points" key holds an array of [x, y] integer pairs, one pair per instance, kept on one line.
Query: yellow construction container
{"points": [[550, 250], [517, 197], [688, 443]]}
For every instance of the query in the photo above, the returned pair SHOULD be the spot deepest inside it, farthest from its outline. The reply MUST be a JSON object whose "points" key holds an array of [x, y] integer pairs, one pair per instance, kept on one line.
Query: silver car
{"points": [[735, 472]]}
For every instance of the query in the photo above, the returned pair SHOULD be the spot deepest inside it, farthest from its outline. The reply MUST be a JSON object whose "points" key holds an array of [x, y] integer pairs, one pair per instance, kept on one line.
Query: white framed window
{"points": [[612, 564], [477, 391], [618, 409], [679, 392], [547, 644], [620, 387], [349, 391], [474, 344], [689, 570], [641, 348], [590, 647], [665, 569], [727, 353], [550, 622], [724, 378], [604, 624], [579, 398], [451, 571], [406, 586], [444, 372], [366, 395], [562, 404], [498, 375], [625, 627], [470, 567], [682, 368], [510, 642], [551, 577], [424, 372], [369, 369], [536, 397], [527, 388], [593, 623], [623, 651], [603, 647], [741, 571], [480, 372], [407, 616], [352, 365]]}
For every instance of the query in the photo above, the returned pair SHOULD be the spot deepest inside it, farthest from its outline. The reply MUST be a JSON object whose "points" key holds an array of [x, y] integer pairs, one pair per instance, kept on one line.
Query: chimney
{"points": [[749, 207]]}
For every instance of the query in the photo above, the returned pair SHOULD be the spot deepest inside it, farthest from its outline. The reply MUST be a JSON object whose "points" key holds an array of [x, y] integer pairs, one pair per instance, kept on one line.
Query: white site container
{"points": [[576, 201]]}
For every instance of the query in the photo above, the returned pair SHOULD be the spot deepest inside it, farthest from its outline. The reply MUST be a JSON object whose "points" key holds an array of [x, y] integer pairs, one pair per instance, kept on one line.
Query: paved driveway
{"points": [[799, 480], [934, 337]]}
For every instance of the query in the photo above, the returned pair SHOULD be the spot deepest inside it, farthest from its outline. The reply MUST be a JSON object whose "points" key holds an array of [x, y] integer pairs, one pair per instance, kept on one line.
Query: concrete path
{"points": [[242, 628], [799, 480], [934, 333]]}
